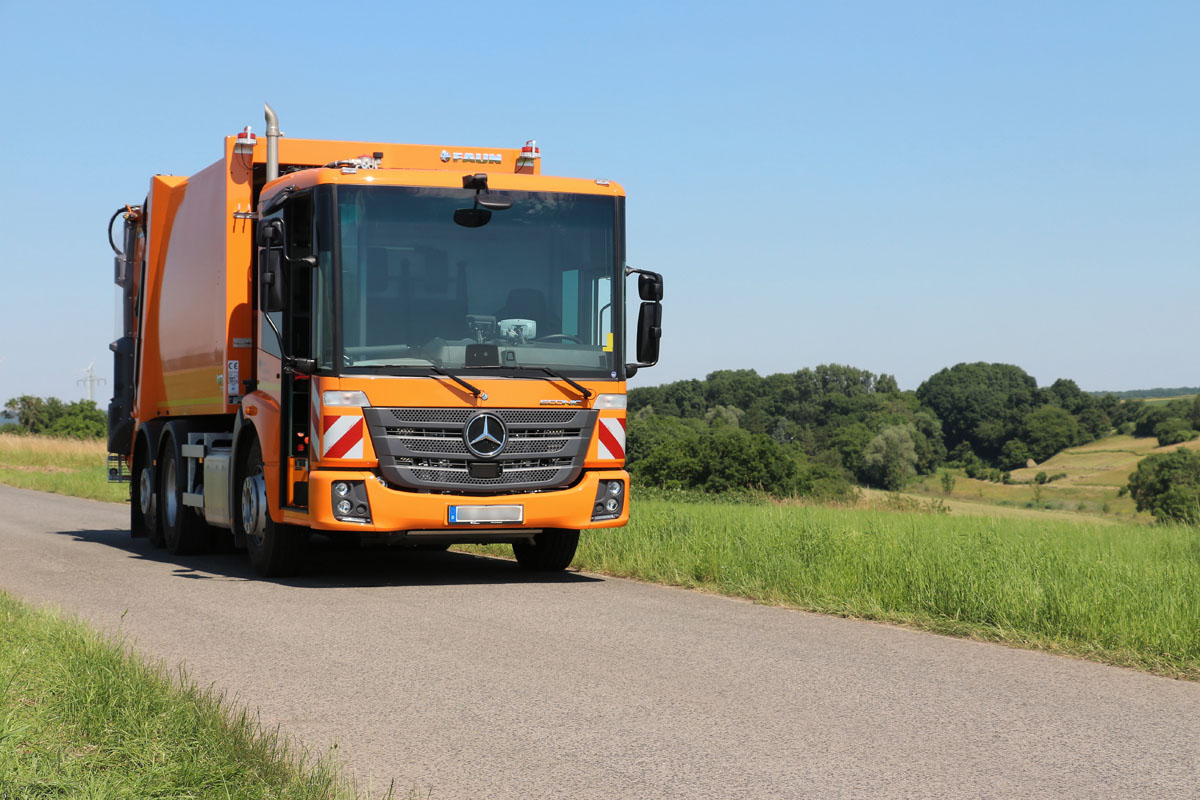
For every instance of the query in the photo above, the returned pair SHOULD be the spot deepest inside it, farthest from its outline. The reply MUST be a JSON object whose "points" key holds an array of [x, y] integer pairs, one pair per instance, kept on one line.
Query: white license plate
{"points": [[486, 515]]}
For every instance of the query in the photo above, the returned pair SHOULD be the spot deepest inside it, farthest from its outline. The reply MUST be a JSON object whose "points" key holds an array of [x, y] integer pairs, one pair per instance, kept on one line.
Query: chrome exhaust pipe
{"points": [[272, 143]]}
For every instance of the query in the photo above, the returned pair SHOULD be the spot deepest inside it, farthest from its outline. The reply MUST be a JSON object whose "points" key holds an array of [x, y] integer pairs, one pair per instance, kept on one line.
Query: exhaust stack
{"points": [[272, 143]]}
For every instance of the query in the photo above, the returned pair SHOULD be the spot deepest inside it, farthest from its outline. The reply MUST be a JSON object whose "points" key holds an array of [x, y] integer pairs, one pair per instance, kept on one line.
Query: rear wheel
{"points": [[275, 549], [184, 531], [143, 505], [550, 551]]}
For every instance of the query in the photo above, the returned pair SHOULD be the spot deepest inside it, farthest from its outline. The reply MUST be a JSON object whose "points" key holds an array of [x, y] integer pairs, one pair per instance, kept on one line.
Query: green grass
{"points": [[81, 717], [62, 466], [1120, 594]]}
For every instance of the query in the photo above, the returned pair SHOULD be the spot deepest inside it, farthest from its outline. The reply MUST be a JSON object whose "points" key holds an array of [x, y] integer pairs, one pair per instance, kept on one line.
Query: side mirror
{"points": [[650, 286], [270, 288], [649, 327], [270, 232], [649, 333]]}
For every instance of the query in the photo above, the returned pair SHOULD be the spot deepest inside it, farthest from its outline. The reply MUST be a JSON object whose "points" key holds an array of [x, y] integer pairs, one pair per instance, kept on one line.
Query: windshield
{"points": [[532, 288]]}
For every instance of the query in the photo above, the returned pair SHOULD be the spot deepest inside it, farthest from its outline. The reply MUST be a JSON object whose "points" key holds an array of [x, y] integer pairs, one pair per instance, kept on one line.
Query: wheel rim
{"points": [[146, 492], [254, 505], [171, 499]]}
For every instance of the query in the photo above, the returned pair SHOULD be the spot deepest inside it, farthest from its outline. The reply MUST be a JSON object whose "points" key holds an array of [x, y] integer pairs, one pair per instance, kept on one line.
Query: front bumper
{"points": [[394, 510]]}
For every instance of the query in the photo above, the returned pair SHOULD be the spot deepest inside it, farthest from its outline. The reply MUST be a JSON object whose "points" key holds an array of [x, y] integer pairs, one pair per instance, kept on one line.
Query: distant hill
{"points": [[1182, 391]]}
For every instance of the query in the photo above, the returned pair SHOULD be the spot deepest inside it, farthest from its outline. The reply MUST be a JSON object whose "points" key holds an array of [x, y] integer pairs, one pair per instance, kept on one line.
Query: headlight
{"points": [[344, 506], [609, 401], [615, 488], [358, 399], [611, 505], [341, 488]]}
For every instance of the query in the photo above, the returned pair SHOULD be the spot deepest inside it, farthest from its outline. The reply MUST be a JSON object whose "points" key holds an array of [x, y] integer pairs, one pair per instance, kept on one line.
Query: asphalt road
{"points": [[461, 675]]}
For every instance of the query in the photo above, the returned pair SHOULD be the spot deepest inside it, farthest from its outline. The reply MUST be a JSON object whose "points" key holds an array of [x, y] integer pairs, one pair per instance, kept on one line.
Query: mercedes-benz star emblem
{"points": [[485, 435]]}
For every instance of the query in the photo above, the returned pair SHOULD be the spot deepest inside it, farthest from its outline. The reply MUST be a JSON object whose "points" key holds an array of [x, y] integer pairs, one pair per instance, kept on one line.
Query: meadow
{"points": [[63, 466]]}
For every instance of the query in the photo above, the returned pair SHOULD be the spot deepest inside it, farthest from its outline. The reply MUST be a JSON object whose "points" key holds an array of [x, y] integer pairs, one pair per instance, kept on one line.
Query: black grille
{"points": [[514, 473], [511, 416], [417, 447]]}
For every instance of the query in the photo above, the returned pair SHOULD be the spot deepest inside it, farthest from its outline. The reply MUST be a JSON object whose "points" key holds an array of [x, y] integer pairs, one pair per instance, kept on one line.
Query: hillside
{"points": [[1093, 477]]}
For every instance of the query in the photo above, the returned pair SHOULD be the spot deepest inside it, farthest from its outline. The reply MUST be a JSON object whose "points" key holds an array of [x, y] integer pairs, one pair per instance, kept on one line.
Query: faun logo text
{"points": [[471, 158]]}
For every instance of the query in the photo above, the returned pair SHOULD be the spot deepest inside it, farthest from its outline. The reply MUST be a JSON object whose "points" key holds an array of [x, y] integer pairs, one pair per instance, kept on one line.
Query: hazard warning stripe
{"points": [[611, 433], [343, 437], [314, 420]]}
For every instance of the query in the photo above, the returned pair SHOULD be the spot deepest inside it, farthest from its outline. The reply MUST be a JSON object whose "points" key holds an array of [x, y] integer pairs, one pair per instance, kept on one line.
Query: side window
{"points": [[266, 337], [602, 303]]}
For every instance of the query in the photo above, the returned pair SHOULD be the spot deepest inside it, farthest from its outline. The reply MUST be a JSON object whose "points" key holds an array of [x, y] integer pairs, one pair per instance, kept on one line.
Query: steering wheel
{"points": [[568, 337]]}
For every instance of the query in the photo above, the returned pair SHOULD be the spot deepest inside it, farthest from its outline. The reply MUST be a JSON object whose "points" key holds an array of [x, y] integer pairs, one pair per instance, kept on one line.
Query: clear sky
{"points": [[894, 186]]}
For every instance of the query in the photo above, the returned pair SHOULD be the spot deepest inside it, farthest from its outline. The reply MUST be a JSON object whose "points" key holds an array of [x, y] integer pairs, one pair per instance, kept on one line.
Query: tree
{"points": [[891, 458], [1067, 394], [947, 482], [1014, 454], [1048, 430], [966, 395], [1173, 431], [53, 417], [1148, 419], [1168, 486], [80, 420]]}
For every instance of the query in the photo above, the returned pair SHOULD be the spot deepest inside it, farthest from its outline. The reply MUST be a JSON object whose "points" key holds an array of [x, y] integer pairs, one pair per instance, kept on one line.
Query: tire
{"points": [[143, 501], [183, 530], [276, 550], [550, 551]]}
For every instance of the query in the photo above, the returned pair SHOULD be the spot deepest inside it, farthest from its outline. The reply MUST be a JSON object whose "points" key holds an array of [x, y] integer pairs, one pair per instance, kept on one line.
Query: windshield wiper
{"points": [[482, 395], [586, 392], [583, 389]]}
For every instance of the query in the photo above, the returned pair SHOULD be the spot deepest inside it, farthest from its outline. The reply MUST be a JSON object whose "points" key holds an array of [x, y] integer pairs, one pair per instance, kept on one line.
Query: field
{"points": [[62, 466], [1093, 476]]}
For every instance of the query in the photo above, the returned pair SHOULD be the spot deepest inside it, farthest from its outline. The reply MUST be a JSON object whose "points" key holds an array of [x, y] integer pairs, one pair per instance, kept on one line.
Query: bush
{"points": [[1173, 431], [1168, 486], [52, 417], [1125, 428]]}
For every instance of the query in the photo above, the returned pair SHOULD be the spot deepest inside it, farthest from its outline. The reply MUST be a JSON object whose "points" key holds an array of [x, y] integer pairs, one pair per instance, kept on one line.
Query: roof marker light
{"points": [[245, 141], [529, 153]]}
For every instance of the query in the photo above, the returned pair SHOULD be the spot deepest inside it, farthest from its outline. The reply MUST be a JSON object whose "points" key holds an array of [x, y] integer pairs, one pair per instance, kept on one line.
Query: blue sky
{"points": [[899, 187]]}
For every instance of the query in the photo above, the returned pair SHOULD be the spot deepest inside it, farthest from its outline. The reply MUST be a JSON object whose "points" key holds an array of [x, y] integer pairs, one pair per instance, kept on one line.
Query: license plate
{"points": [[486, 515]]}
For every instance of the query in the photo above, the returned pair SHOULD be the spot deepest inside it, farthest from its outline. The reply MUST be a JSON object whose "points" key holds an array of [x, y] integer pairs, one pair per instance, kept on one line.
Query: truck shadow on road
{"points": [[333, 566]]}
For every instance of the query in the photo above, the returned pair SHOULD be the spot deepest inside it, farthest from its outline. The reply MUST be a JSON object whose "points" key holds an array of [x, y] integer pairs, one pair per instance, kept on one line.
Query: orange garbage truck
{"points": [[402, 344]]}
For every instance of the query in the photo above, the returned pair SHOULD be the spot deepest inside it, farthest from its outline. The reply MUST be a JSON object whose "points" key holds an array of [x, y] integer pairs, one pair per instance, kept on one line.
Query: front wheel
{"points": [[550, 551], [275, 549]]}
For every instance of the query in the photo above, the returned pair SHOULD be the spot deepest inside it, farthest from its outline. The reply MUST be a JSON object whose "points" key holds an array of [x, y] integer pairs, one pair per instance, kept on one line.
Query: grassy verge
{"points": [[62, 466], [82, 717], [1120, 594]]}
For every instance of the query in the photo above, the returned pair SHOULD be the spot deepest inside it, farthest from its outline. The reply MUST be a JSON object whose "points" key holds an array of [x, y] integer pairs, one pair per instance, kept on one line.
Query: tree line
{"points": [[50, 416], [823, 430]]}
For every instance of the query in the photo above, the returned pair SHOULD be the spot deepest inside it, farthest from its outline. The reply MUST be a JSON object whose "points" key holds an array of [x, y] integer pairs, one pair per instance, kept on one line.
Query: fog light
{"points": [[341, 488], [615, 488], [344, 506], [611, 505]]}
